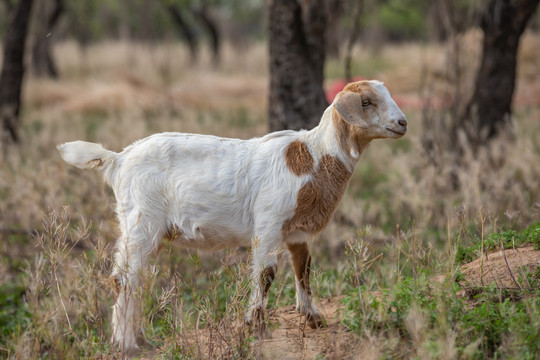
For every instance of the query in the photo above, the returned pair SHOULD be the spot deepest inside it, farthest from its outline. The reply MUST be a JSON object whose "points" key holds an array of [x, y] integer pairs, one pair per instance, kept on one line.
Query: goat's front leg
{"points": [[301, 260], [264, 269]]}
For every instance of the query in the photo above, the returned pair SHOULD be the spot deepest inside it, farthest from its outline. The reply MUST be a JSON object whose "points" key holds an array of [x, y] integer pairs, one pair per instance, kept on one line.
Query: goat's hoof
{"points": [[256, 321], [315, 321]]}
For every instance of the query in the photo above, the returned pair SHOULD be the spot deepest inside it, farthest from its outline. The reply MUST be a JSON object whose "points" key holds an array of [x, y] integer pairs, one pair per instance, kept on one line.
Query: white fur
{"points": [[216, 192]]}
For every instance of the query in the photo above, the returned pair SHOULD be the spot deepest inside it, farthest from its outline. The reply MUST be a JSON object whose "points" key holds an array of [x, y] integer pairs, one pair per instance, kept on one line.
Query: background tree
{"points": [[11, 76], [185, 15], [297, 54], [43, 62], [205, 19], [185, 29], [353, 38], [503, 23]]}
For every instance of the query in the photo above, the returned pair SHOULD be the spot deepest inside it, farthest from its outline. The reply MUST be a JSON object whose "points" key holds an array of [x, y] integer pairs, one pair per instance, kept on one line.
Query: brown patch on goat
{"points": [[318, 199], [301, 260], [116, 283], [367, 93], [172, 233], [362, 87], [348, 135], [298, 158], [267, 278]]}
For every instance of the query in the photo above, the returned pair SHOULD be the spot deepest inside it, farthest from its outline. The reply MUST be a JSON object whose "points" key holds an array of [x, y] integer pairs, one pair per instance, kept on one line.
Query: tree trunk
{"points": [[333, 38], [42, 60], [185, 30], [503, 23], [297, 54], [355, 32], [12, 72], [212, 30]]}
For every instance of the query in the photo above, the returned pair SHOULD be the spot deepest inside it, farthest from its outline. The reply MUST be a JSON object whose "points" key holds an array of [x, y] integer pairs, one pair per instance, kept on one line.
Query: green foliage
{"points": [[403, 19], [426, 313], [14, 315], [508, 238]]}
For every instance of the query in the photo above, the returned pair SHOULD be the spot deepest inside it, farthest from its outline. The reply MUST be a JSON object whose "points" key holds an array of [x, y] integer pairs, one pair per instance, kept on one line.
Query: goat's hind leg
{"points": [[133, 248]]}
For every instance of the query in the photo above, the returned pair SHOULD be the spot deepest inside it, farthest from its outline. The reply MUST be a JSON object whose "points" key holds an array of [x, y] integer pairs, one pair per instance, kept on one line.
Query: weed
{"points": [[507, 239]]}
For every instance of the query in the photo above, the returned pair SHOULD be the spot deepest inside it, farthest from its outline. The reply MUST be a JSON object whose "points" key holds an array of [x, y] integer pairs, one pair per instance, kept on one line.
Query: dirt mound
{"points": [[506, 269], [292, 339]]}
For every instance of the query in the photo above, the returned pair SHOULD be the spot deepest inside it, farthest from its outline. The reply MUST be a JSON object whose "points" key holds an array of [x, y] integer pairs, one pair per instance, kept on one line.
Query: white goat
{"points": [[209, 193]]}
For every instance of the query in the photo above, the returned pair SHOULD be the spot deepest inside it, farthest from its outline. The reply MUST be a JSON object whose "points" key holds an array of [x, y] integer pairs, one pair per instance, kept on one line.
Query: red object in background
{"points": [[337, 85]]}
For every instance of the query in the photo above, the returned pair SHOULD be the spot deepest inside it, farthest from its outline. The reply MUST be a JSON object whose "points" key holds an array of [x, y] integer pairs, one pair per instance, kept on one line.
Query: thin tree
{"points": [[184, 28], [206, 20], [503, 23], [43, 62], [355, 32], [11, 76], [297, 55]]}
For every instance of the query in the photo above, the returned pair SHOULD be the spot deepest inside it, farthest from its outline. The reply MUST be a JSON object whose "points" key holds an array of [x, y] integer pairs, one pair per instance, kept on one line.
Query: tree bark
{"points": [[503, 23], [297, 55], [11, 76], [186, 31], [333, 38], [42, 60]]}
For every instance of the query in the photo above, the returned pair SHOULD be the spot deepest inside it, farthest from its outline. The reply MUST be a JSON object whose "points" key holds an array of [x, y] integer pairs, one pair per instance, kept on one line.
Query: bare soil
{"points": [[292, 339], [505, 269], [287, 337]]}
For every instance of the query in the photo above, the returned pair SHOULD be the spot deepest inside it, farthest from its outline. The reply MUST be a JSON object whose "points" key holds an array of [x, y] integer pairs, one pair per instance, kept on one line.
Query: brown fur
{"points": [[298, 158], [347, 134], [362, 87], [301, 260], [318, 199], [115, 286], [267, 277], [367, 93], [172, 233]]}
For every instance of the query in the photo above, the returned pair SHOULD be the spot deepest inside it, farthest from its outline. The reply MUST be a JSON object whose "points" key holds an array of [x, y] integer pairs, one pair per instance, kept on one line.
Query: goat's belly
{"points": [[214, 238]]}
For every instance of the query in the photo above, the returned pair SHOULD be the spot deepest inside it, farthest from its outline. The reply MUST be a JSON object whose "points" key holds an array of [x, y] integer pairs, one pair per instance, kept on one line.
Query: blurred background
{"points": [[466, 73]]}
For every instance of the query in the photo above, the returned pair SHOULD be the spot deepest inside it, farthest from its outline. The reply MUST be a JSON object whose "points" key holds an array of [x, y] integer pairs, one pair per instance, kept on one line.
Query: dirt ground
{"points": [[293, 340], [504, 268], [286, 338], [289, 338]]}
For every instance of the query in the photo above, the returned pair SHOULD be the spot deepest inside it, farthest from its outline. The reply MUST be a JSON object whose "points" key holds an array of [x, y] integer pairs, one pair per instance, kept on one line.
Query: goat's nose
{"points": [[402, 122]]}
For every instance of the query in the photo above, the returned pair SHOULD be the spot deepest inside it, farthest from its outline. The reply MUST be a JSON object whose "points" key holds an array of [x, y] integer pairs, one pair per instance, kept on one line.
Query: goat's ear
{"points": [[349, 107]]}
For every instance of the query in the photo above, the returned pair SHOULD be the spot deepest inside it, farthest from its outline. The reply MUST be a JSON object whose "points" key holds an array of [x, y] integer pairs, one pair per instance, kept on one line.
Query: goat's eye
{"points": [[366, 103]]}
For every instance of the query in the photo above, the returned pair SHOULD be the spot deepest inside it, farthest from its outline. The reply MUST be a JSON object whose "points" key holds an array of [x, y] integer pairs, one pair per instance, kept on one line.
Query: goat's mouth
{"points": [[400, 133]]}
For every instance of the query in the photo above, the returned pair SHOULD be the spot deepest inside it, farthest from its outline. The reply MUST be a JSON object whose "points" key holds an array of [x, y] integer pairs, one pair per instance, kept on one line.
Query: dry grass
{"points": [[415, 202]]}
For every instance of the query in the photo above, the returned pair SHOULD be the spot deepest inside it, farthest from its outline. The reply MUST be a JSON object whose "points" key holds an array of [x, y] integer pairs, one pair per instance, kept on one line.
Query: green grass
{"points": [[509, 239], [432, 318], [14, 315], [425, 314]]}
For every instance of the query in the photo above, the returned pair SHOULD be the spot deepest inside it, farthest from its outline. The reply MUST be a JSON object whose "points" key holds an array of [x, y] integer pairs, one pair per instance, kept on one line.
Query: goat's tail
{"points": [[87, 155]]}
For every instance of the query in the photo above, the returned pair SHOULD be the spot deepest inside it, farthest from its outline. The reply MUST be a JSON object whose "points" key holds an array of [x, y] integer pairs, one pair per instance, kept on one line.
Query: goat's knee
{"points": [[301, 260]]}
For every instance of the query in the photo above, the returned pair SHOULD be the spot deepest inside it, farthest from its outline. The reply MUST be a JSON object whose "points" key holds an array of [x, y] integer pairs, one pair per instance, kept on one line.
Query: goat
{"points": [[208, 193]]}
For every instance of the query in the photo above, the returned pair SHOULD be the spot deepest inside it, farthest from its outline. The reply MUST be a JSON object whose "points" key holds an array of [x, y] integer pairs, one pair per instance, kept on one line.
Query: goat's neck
{"points": [[328, 139]]}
